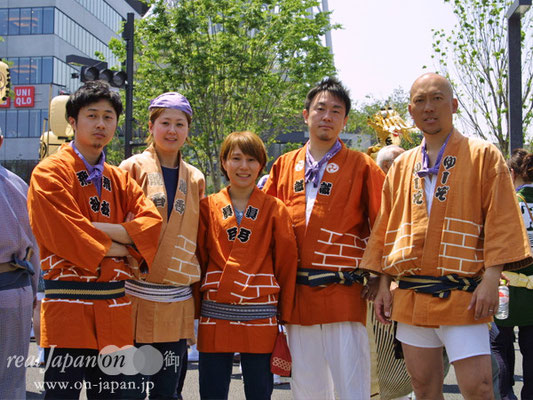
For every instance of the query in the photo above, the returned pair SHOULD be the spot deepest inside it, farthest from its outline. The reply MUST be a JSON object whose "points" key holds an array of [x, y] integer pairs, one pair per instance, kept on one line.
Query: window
{"points": [[48, 67], [11, 123], [3, 21], [23, 123], [24, 71], [48, 20], [13, 21], [35, 123], [37, 21], [3, 122], [25, 21], [35, 70]]}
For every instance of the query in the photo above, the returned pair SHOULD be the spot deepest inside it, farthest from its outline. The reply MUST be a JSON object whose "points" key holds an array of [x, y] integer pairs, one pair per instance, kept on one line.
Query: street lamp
{"points": [[514, 40]]}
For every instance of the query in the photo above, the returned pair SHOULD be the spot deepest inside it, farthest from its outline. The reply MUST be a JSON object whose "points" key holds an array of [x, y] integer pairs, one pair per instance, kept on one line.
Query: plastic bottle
{"points": [[503, 306]]}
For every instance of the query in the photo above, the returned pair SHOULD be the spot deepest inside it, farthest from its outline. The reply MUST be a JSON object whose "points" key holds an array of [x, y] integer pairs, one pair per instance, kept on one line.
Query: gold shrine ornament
{"points": [[4, 80]]}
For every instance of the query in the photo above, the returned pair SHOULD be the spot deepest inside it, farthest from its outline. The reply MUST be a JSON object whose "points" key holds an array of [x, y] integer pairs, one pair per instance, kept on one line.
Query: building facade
{"points": [[37, 37]]}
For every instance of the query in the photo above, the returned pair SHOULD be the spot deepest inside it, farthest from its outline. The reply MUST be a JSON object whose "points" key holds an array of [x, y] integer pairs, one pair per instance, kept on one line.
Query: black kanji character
{"points": [[325, 188], [299, 186], [418, 167], [417, 182], [244, 235], [417, 197], [106, 183], [82, 178], [251, 212], [159, 200], [95, 204], [449, 162], [445, 176], [106, 211], [441, 192], [232, 233], [227, 212], [179, 206], [182, 186]]}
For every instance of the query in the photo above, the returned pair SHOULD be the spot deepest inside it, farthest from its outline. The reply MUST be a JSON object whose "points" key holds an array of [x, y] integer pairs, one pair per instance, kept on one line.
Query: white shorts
{"points": [[460, 341]]}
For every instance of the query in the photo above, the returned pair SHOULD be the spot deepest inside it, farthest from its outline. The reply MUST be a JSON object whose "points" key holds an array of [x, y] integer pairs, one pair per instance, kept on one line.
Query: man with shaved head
{"points": [[443, 233]]}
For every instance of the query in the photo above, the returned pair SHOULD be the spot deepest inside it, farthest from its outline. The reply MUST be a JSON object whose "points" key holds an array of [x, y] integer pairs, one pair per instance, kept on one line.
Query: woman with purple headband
{"points": [[163, 307]]}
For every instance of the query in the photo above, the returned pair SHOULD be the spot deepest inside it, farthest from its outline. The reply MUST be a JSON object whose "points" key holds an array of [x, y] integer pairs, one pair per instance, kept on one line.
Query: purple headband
{"points": [[173, 100]]}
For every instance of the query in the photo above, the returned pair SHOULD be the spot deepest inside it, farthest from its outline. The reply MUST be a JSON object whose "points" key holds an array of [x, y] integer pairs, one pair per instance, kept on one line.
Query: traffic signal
{"points": [[114, 78]]}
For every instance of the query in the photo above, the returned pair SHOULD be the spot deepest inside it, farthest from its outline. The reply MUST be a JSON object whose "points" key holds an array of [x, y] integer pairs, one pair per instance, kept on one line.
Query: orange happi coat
{"points": [[175, 262], [335, 238], [62, 205], [251, 263], [474, 224]]}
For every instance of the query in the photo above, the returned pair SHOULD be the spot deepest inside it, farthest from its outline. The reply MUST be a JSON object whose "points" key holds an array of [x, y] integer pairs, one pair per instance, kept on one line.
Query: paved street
{"points": [[35, 375]]}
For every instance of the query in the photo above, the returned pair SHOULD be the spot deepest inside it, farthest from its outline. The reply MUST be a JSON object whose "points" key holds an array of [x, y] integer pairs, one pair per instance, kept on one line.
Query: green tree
{"points": [[243, 65], [474, 57]]}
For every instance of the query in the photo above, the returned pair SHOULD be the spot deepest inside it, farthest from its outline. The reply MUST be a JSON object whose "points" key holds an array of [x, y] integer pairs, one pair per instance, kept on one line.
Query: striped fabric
{"points": [[157, 292], [236, 312], [83, 290], [438, 286], [318, 277]]}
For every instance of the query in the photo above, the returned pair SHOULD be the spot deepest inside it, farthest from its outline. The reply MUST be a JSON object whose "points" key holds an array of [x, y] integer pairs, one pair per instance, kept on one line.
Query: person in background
{"points": [[386, 156], [247, 251], [520, 291], [162, 303], [19, 274]]}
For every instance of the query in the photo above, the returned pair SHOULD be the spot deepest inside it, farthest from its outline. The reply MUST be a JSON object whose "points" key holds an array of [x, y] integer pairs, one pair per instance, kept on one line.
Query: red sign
{"points": [[5, 104], [24, 96]]}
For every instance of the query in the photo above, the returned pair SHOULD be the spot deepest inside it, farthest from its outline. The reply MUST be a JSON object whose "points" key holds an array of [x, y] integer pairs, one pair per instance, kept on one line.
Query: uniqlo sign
{"points": [[24, 96]]}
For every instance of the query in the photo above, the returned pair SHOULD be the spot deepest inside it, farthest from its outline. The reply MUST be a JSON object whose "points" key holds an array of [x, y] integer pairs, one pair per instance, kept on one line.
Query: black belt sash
{"points": [[21, 274], [237, 312], [83, 290], [438, 286], [320, 277]]}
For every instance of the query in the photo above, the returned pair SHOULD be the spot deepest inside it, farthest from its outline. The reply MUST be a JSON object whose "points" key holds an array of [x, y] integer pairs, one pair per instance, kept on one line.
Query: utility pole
{"points": [[127, 35]]}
